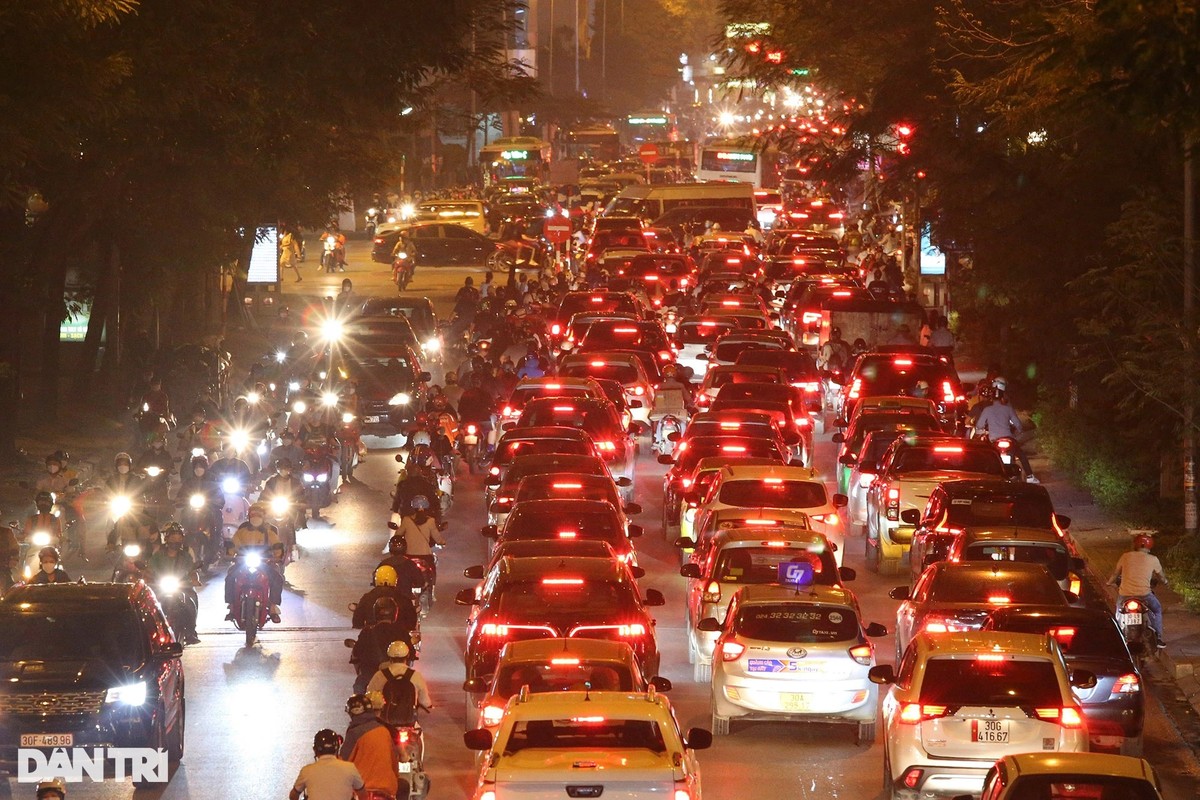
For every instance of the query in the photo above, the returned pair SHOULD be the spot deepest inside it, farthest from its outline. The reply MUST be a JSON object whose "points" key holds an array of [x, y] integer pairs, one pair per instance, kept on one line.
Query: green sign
{"points": [[515, 155]]}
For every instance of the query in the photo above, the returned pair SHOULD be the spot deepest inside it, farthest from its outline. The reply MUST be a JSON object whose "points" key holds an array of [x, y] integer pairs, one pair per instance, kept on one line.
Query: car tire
{"points": [[1132, 745], [701, 672], [720, 725], [865, 734]]}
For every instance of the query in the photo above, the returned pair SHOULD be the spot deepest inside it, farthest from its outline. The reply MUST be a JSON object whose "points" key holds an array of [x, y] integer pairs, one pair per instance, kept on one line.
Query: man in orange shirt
{"points": [[371, 746]]}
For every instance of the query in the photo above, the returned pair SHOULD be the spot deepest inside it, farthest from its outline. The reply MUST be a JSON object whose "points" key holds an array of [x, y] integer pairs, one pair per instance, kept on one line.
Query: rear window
{"points": [[1053, 558], [595, 419], [1101, 640], [523, 394], [973, 586], [977, 682], [1029, 512], [701, 332], [948, 458], [797, 365], [747, 565], [746, 390], [604, 526], [797, 623], [593, 732], [730, 351], [533, 599], [565, 489], [623, 239], [596, 303], [720, 378], [507, 451], [772, 493], [564, 674], [612, 370], [886, 379], [655, 265], [1063, 786]]}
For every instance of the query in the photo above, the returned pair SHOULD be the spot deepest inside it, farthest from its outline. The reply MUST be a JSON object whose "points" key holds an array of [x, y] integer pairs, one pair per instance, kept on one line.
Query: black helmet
{"points": [[199, 409], [55, 458], [327, 742], [199, 461], [283, 463], [43, 498], [398, 545], [835, 331], [170, 529], [421, 456], [386, 608], [357, 704]]}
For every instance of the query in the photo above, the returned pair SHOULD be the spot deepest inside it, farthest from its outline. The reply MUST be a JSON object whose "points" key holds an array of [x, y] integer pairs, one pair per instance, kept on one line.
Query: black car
{"points": [[86, 666], [438, 244], [1090, 640], [391, 387], [383, 244], [417, 310]]}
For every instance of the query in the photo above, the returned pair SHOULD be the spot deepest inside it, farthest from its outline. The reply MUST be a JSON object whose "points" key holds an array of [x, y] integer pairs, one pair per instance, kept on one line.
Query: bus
{"points": [[649, 126], [514, 157], [598, 143], [734, 160], [651, 202]]}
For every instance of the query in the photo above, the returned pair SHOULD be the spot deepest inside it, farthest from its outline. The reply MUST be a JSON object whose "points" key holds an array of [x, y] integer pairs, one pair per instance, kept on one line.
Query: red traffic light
{"points": [[753, 47], [775, 56], [904, 130]]}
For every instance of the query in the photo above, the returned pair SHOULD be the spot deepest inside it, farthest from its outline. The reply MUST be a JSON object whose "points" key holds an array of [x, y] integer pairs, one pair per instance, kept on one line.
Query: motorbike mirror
{"points": [[475, 572], [637, 572], [663, 458], [425, 377], [393, 525], [352, 606], [478, 739], [875, 630], [655, 598], [348, 642], [399, 458], [635, 531], [838, 438], [465, 597], [633, 508], [910, 516]]}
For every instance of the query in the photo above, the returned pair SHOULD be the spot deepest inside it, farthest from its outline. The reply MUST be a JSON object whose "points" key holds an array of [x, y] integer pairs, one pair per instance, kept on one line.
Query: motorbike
{"points": [[178, 600], [372, 220], [284, 519], [468, 447], [403, 269], [31, 545], [251, 593], [200, 525], [662, 443], [155, 503], [349, 437], [317, 475], [411, 739], [425, 596], [334, 256], [130, 566], [235, 508], [1133, 618]]}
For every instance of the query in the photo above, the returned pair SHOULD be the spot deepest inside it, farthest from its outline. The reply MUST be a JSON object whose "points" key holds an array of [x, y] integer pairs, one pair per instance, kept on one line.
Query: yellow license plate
{"points": [[794, 701], [47, 740]]}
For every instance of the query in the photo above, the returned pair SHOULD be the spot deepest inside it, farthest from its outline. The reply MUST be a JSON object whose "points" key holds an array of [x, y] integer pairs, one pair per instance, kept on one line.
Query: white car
{"points": [[588, 744], [958, 703], [693, 335]]}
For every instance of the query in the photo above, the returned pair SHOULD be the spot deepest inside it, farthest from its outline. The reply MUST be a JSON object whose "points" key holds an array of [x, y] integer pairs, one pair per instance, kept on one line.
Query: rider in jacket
{"points": [[256, 534]]}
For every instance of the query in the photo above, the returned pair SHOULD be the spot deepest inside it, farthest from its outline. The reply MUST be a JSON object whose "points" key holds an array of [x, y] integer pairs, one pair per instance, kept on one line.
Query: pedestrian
{"points": [[289, 252]]}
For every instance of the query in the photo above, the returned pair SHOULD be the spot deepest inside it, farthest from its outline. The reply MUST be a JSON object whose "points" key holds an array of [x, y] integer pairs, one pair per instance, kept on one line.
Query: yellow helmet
{"points": [[385, 576]]}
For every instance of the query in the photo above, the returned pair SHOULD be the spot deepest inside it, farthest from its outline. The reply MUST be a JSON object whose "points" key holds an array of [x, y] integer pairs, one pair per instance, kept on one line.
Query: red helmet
{"points": [[1143, 541]]}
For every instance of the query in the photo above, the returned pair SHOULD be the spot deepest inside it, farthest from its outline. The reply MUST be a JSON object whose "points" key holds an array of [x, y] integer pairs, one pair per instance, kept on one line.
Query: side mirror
{"points": [[691, 499], [655, 598], [637, 572], [478, 739], [424, 377], [474, 572], [702, 356], [690, 571], [1063, 521], [635, 403], [875, 630], [172, 650], [663, 458], [490, 531], [849, 459], [709, 625], [660, 684], [673, 436], [698, 739], [838, 438], [882, 674], [840, 501], [399, 458], [465, 597], [635, 531], [899, 593], [633, 508], [910, 516], [393, 525], [847, 573], [1077, 564], [684, 543], [1083, 679], [348, 642], [1073, 599], [623, 483], [476, 685], [508, 426]]}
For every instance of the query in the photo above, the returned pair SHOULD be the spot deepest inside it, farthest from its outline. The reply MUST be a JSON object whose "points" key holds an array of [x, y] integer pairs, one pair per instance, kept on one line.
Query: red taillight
{"points": [[855, 389], [862, 654], [913, 777], [555, 329], [402, 736], [639, 390], [712, 593], [665, 355], [893, 504], [809, 317], [634, 629], [913, 713], [732, 651], [1131, 606], [471, 430], [606, 446], [947, 392], [1128, 683], [492, 629], [1063, 636], [507, 411], [378, 240], [1067, 716]]}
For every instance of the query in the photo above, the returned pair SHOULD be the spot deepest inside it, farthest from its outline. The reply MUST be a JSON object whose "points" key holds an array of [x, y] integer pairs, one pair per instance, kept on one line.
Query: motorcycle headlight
{"points": [[231, 486], [323, 477], [40, 538], [133, 694], [252, 560], [252, 398], [239, 439], [169, 584], [407, 210], [120, 506], [153, 472], [308, 477], [400, 399], [330, 399], [293, 386], [280, 356], [197, 451], [299, 406], [279, 506], [433, 345], [132, 550], [196, 501], [372, 212], [261, 449], [347, 418]]}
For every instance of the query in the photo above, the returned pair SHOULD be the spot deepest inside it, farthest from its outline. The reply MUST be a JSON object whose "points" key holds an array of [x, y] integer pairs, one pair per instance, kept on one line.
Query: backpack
{"points": [[399, 699]]}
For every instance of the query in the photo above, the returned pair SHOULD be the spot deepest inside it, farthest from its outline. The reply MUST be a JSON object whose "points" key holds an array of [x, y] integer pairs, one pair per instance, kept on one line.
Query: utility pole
{"points": [[604, 51], [1189, 328], [576, 46]]}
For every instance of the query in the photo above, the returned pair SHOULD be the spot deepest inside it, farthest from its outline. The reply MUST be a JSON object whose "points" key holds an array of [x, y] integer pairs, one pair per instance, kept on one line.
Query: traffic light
{"points": [[775, 56]]}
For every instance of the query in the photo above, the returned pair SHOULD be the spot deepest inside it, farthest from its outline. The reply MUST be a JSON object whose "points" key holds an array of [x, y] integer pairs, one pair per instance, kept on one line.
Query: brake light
{"points": [[491, 715], [598, 364], [773, 481], [947, 449], [564, 408], [731, 426], [913, 777], [913, 713], [555, 329], [665, 355], [492, 629], [402, 736], [732, 448], [734, 260], [947, 392], [855, 389], [799, 262], [607, 447], [1003, 444], [842, 293], [803, 422], [633, 629], [999, 600], [902, 362], [625, 330], [1128, 683], [893, 504], [685, 482], [732, 651], [1063, 635], [992, 657], [562, 581], [809, 317], [811, 386], [712, 593], [1075, 585], [862, 654], [568, 534], [1067, 716], [567, 485], [554, 386], [682, 794], [828, 519], [943, 625], [471, 429], [493, 470], [731, 303], [565, 662], [837, 215], [762, 523], [1131, 606], [597, 299]]}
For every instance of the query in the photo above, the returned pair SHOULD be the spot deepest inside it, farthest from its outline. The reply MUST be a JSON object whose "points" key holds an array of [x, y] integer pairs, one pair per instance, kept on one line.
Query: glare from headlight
{"points": [[331, 329], [279, 506], [400, 399], [169, 584], [253, 560], [299, 406], [293, 386], [132, 550], [323, 477], [231, 485], [197, 452], [253, 397], [196, 501], [261, 449], [120, 506], [347, 418], [239, 439], [280, 356], [407, 210], [433, 345], [133, 694], [329, 399], [153, 471], [41, 538], [308, 477]]}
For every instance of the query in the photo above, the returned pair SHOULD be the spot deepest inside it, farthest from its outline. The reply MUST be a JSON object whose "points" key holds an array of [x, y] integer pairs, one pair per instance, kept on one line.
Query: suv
{"points": [[959, 703], [901, 373], [1029, 545], [88, 665], [585, 744]]}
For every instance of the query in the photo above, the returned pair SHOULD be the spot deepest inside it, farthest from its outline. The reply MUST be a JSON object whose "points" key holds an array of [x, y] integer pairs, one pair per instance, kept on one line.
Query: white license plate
{"points": [[470, 439], [405, 767], [989, 731], [1131, 619], [47, 740], [371, 420]]}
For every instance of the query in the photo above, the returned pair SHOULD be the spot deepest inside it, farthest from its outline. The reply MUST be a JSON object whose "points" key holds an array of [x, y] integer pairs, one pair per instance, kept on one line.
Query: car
{"points": [[784, 402], [801, 372], [727, 519], [737, 557], [579, 323], [618, 334], [903, 373], [1029, 545], [391, 385], [600, 420], [955, 507], [696, 485], [592, 302], [787, 654], [618, 222], [736, 423], [440, 244], [683, 463], [88, 665], [467, 213], [1033, 776], [535, 441], [953, 598], [956, 704], [693, 335], [725, 351], [1090, 640], [573, 518], [504, 486], [546, 598], [555, 665], [553, 386], [801, 312], [556, 486], [584, 744], [686, 220], [909, 470], [626, 368], [602, 242], [718, 376], [786, 488], [383, 244], [868, 419], [863, 466], [657, 272], [420, 315]]}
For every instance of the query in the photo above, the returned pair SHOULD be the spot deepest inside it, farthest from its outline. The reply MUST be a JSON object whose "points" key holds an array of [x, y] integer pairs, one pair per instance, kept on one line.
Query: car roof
{"points": [[929, 439], [971, 643], [545, 432], [534, 548], [565, 506], [583, 401], [586, 567], [619, 705], [1107, 764], [881, 402], [620, 356], [545, 649], [1012, 533], [773, 514], [94, 596], [976, 486], [814, 593], [747, 537], [753, 472]]}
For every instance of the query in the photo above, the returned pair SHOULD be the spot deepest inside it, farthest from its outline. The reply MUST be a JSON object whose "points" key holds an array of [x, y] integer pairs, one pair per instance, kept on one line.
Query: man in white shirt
{"points": [[1134, 577], [328, 777]]}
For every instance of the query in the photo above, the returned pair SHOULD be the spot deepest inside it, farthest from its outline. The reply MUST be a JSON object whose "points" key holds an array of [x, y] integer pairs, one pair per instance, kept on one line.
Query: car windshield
{"points": [[564, 599], [612, 370], [1065, 786], [1028, 512], [1089, 640], [976, 586], [797, 365], [564, 673], [1052, 557], [600, 421], [71, 634], [772, 493], [597, 303], [523, 394], [884, 422], [760, 564], [701, 332], [559, 524], [981, 681], [507, 451], [948, 458], [585, 733], [797, 623], [419, 316]]}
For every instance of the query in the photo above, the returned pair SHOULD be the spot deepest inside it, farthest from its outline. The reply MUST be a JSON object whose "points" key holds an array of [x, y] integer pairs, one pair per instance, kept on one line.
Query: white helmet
{"points": [[397, 651], [1000, 384], [421, 437], [52, 786]]}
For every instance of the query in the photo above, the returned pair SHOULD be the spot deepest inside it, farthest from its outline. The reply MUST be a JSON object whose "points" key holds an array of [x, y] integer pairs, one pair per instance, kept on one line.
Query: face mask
{"points": [[198, 472], [49, 566], [283, 473], [256, 521], [123, 468], [53, 468], [420, 517], [172, 545]]}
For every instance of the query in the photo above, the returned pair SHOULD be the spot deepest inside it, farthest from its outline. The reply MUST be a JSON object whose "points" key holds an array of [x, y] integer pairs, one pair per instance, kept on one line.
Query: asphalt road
{"points": [[252, 713]]}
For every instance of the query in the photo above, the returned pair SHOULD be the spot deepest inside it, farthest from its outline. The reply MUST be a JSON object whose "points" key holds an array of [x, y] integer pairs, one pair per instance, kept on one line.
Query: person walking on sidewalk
{"points": [[289, 253], [1135, 575]]}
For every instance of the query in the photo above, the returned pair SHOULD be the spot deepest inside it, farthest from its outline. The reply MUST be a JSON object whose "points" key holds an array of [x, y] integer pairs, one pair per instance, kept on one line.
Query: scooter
{"points": [[349, 436], [411, 739], [1133, 618], [178, 599], [318, 472], [199, 520], [130, 566], [468, 447], [251, 593], [662, 443], [284, 516]]}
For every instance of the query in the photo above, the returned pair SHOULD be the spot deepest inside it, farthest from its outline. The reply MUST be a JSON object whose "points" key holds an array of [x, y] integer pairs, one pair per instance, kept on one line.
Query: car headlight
{"points": [[252, 560], [40, 538], [279, 506], [133, 694], [196, 501], [400, 399], [323, 477], [308, 477], [347, 418], [330, 399], [407, 210], [231, 486], [169, 584], [433, 345], [120, 506]]}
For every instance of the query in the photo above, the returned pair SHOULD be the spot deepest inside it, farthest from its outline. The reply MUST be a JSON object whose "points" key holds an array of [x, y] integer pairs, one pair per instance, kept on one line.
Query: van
{"points": [[651, 202], [468, 213]]}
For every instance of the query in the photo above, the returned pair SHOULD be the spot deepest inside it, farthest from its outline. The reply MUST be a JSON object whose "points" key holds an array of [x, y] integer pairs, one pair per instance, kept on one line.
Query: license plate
{"points": [[989, 731], [470, 439], [405, 767], [47, 740], [1131, 619], [371, 420], [794, 701]]}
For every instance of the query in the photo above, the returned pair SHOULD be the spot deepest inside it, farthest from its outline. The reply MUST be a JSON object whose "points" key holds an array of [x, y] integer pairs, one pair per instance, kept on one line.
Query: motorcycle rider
{"points": [[230, 466], [413, 484], [174, 558], [123, 484], [53, 789], [51, 567], [370, 650], [201, 433], [284, 484], [288, 450], [1000, 421], [422, 533], [43, 519], [835, 353], [386, 585], [408, 575], [374, 749], [154, 404], [476, 406], [154, 487], [1136, 573], [396, 668], [255, 533], [466, 306], [328, 777]]}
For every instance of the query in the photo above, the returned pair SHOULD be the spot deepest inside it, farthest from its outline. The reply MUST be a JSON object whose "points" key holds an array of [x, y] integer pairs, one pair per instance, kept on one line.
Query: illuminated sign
{"points": [[742, 30], [647, 120], [264, 258], [515, 155], [933, 260], [735, 156]]}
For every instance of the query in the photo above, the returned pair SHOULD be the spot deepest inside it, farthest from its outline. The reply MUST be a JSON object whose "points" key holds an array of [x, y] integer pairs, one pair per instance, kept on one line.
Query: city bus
{"points": [[733, 161], [597, 143], [515, 157], [649, 126]]}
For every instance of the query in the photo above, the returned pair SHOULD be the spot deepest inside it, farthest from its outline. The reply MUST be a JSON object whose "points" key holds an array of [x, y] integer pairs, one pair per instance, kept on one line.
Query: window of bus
{"points": [[720, 160]]}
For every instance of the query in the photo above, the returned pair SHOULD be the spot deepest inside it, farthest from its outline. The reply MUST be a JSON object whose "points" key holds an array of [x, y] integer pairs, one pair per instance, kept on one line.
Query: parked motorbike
{"points": [[251, 593]]}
